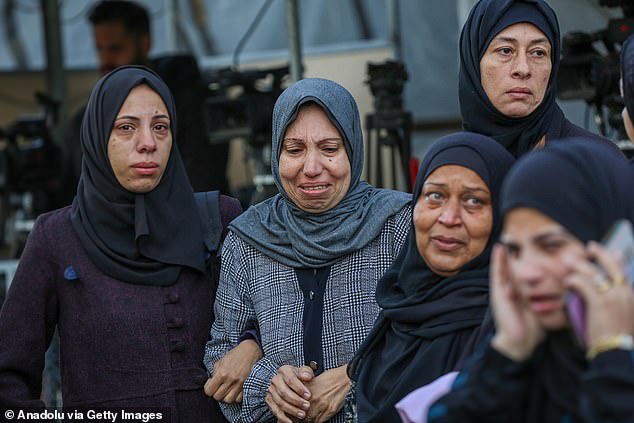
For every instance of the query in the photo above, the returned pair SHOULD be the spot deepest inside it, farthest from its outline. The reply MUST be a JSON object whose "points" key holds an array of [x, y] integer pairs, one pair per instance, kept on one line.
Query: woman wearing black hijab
{"points": [[126, 274], [435, 295], [556, 204], [509, 59]]}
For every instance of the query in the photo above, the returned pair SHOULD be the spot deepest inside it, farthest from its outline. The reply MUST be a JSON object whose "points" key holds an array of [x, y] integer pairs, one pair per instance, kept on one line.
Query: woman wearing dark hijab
{"points": [[305, 263], [556, 204], [435, 295], [509, 59], [124, 273]]}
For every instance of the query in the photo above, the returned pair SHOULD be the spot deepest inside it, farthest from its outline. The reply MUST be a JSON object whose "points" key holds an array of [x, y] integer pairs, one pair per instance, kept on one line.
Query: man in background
{"points": [[121, 31]]}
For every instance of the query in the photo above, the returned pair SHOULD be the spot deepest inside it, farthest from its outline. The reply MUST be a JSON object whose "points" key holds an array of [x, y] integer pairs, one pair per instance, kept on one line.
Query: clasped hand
{"points": [[296, 392]]}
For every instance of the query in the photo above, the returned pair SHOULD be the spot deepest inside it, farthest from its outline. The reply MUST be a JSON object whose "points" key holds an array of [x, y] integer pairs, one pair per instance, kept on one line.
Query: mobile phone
{"points": [[620, 238]]}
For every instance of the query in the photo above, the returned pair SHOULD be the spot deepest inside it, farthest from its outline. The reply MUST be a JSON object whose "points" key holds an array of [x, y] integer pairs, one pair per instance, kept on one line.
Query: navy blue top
{"points": [[312, 282]]}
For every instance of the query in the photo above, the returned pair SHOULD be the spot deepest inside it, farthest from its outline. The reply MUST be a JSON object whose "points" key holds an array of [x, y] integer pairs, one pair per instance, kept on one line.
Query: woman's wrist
{"points": [[514, 350], [342, 377], [622, 341]]}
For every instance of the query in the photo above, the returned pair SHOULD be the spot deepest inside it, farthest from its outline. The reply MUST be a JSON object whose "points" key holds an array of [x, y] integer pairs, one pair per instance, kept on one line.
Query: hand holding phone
{"points": [[620, 238]]}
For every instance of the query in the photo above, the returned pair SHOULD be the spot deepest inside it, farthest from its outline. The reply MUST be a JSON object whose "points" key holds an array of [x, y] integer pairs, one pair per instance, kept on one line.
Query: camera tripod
{"points": [[389, 129]]}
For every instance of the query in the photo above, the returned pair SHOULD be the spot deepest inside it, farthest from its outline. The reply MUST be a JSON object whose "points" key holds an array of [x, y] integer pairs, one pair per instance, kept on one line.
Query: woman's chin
{"points": [[555, 320]]}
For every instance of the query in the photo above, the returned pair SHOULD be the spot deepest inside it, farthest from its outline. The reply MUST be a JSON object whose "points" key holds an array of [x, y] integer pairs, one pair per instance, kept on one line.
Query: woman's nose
{"points": [[521, 67], [526, 268], [450, 215], [312, 164], [145, 141]]}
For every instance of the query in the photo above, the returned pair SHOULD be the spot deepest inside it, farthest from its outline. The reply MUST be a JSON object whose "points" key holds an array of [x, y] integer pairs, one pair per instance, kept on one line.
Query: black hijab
{"points": [[584, 186], [486, 20], [136, 238], [427, 319]]}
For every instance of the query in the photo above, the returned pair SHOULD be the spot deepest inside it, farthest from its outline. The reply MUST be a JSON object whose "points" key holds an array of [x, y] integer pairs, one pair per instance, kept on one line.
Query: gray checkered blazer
{"points": [[254, 287]]}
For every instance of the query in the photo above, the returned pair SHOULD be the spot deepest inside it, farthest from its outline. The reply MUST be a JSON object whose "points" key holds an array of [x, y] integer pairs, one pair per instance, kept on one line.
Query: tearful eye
{"points": [[473, 201], [434, 196]]}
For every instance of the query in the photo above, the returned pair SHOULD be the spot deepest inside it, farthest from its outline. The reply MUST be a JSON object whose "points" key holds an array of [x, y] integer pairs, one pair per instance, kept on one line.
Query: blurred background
{"points": [[399, 58]]}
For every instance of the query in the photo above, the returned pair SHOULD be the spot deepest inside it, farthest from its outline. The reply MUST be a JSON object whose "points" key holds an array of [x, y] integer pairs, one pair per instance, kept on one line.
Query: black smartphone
{"points": [[620, 238]]}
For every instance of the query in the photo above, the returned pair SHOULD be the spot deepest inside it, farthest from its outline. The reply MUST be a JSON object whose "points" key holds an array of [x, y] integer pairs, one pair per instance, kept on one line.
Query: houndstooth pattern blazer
{"points": [[254, 287]]}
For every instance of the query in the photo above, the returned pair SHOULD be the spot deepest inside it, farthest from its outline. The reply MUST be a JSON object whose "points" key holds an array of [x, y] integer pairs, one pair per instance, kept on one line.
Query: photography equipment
{"points": [[30, 173], [389, 127], [590, 74], [240, 105]]}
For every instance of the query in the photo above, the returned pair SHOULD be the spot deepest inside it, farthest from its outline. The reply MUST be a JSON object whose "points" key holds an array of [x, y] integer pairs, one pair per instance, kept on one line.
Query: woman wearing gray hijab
{"points": [[302, 267]]}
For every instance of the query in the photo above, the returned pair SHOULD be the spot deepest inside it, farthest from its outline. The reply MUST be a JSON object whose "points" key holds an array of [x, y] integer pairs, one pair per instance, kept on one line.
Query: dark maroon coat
{"points": [[122, 345]]}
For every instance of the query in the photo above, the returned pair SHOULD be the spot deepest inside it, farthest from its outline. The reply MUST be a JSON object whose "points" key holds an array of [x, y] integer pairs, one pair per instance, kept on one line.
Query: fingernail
{"points": [[301, 414], [306, 374], [307, 395], [306, 406]]}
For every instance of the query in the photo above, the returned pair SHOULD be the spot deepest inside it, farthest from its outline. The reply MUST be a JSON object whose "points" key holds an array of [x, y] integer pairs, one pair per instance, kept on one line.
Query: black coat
{"points": [[494, 388]]}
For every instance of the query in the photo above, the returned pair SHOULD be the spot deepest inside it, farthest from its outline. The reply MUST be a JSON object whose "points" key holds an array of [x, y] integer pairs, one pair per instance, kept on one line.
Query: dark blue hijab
{"points": [[486, 20], [281, 230], [427, 319], [585, 186], [136, 238]]}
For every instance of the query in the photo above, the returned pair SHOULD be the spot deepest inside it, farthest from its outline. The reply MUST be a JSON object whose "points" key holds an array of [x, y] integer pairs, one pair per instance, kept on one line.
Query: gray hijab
{"points": [[284, 232]]}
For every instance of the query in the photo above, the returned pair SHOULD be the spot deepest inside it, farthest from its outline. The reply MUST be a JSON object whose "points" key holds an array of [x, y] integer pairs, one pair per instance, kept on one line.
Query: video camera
{"points": [[389, 127], [240, 105], [386, 81], [30, 173], [587, 73]]}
